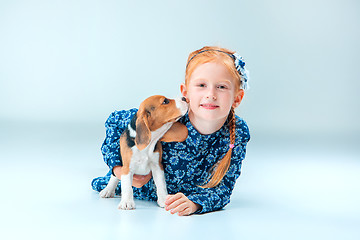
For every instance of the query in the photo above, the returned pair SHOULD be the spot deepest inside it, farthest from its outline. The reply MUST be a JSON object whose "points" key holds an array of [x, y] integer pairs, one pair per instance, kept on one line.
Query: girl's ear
{"points": [[183, 89], [238, 97]]}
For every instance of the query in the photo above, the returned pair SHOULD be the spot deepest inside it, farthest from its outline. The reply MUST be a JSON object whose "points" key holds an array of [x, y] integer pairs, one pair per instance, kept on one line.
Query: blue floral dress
{"points": [[187, 164]]}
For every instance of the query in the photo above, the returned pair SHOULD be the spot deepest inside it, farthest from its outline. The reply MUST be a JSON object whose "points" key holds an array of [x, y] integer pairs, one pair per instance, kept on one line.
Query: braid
{"points": [[223, 165], [231, 120]]}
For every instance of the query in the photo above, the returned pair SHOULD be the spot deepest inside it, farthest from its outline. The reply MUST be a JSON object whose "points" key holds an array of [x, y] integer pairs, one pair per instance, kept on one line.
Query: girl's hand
{"points": [[141, 180], [180, 204], [138, 180]]}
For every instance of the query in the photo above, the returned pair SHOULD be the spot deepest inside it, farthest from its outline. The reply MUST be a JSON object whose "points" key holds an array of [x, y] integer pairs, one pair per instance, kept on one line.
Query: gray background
{"points": [[66, 65]]}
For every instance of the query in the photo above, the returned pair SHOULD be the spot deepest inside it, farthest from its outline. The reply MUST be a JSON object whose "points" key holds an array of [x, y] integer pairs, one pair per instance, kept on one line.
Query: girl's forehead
{"points": [[220, 80], [212, 71]]}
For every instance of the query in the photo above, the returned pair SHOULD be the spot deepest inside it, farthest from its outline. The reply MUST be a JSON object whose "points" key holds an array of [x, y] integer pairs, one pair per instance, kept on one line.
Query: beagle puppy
{"points": [[140, 148]]}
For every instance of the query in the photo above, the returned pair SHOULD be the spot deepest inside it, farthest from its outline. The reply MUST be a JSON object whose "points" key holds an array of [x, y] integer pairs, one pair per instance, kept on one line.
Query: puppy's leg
{"points": [[127, 198], [159, 179], [109, 190]]}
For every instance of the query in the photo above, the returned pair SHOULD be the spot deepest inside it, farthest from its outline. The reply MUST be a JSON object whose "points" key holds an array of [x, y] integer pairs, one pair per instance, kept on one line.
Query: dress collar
{"points": [[197, 139]]}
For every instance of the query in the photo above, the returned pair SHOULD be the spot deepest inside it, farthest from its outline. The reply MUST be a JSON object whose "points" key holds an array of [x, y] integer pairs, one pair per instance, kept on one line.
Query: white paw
{"points": [[161, 201], [126, 205], [107, 193]]}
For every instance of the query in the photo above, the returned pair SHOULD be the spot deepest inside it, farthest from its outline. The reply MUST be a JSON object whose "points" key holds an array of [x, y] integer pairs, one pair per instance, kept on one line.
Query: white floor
{"points": [[291, 191]]}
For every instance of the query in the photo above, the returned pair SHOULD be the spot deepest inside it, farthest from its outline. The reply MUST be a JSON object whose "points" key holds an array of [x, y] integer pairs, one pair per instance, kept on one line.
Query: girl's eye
{"points": [[201, 85], [222, 87]]}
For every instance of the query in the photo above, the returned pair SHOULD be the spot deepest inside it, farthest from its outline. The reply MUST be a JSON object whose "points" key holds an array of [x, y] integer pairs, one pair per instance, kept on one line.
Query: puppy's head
{"points": [[153, 113]]}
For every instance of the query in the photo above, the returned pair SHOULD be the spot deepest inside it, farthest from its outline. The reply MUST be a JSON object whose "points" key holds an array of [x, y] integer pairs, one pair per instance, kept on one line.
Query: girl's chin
{"points": [[209, 115]]}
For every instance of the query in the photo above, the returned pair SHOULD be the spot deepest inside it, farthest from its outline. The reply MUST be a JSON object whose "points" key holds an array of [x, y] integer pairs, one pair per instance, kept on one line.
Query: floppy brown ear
{"points": [[143, 133], [177, 133]]}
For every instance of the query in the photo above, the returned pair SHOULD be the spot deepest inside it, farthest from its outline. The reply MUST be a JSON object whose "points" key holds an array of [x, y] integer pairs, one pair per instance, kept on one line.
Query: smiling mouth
{"points": [[209, 106]]}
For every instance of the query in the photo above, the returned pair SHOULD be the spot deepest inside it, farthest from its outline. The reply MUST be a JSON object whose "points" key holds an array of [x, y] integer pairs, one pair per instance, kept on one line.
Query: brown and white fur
{"points": [[140, 149]]}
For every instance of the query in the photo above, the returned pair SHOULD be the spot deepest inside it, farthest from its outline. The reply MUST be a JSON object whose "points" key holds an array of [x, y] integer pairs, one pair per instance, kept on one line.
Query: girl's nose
{"points": [[211, 94], [211, 97]]}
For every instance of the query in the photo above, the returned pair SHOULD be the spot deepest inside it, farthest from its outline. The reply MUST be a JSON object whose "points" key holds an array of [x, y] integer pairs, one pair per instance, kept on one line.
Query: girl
{"points": [[201, 171]]}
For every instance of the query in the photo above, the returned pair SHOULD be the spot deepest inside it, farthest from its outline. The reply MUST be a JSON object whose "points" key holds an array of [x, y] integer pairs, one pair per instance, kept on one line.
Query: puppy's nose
{"points": [[185, 99]]}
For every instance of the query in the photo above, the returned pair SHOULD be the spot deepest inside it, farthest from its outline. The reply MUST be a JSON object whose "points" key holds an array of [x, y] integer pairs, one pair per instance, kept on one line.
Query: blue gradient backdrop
{"points": [[66, 65]]}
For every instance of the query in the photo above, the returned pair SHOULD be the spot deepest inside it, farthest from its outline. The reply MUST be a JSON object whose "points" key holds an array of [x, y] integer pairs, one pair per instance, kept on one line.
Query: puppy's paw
{"points": [[107, 193], [126, 205]]}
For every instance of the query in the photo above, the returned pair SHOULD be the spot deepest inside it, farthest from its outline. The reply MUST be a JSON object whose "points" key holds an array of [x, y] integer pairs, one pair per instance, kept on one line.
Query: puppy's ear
{"points": [[143, 133], [177, 133]]}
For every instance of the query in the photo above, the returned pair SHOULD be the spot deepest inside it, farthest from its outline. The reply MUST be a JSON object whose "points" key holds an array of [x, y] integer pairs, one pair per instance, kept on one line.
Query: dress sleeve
{"points": [[115, 125], [212, 199]]}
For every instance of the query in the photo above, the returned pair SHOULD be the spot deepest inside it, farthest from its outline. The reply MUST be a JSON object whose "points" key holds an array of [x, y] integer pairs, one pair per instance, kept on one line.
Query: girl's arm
{"points": [[115, 125], [212, 199], [203, 200]]}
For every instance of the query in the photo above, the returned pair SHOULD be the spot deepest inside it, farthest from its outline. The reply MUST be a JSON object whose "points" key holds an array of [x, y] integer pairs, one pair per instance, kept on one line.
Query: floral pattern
{"points": [[187, 164]]}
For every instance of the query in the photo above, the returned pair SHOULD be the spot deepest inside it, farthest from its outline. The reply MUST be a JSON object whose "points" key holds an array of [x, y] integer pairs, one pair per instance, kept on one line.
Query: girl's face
{"points": [[212, 92]]}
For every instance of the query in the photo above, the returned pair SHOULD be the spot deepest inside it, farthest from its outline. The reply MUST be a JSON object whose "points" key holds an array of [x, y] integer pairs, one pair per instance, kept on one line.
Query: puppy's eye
{"points": [[166, 101]]}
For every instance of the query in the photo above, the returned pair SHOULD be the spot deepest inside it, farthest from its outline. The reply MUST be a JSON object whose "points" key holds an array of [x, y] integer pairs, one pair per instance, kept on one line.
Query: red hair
{"points": [[219, 55], [212, 54]]}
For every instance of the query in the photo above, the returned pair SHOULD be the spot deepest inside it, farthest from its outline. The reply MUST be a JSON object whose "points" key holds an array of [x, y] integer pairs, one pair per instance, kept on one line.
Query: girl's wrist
{"points": [[197, 207]]}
